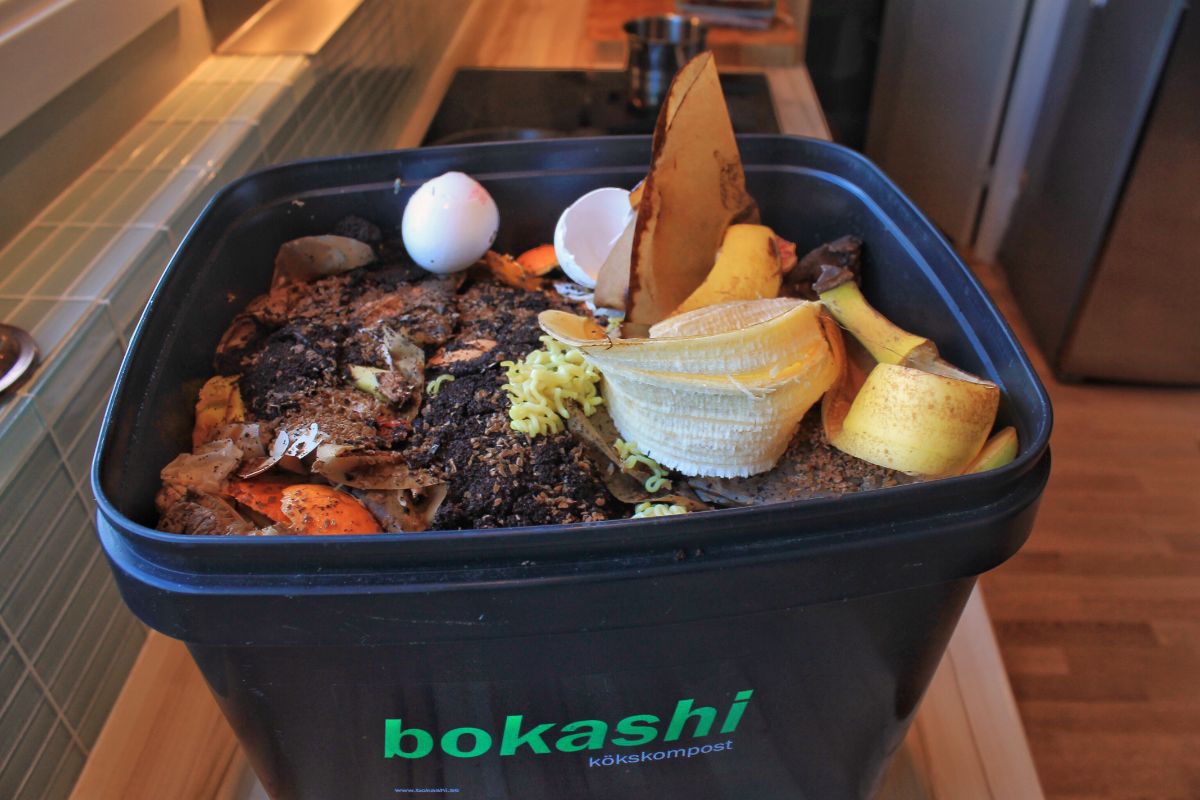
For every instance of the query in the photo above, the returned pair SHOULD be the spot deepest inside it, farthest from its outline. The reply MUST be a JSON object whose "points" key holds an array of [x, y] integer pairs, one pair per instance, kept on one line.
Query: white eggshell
{"points": [[449, 223], [587, 231]]}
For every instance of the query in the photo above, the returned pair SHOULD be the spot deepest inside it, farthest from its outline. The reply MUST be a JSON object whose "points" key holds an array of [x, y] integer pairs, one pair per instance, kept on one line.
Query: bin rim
{"points": [[953, 495], [626, 550]]}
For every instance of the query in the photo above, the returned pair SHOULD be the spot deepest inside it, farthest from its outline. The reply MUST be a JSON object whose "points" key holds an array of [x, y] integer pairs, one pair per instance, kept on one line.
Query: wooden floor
{"points": [[1098, 616]]}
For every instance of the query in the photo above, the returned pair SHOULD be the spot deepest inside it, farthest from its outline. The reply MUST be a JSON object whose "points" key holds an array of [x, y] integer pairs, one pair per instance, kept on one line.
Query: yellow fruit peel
{"points": [[723, 398], [1000, 450], [915, 421], [728, 339], [887, 342], [694, 191], [749, 266], [219, 403]]}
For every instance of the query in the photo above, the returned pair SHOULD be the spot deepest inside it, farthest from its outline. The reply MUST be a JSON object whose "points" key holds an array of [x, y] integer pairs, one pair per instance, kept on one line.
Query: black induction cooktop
{"points": [[500, 104]]}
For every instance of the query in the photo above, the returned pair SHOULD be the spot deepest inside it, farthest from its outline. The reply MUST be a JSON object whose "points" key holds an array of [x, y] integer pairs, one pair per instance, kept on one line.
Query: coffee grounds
{"points": [[499, 477]]}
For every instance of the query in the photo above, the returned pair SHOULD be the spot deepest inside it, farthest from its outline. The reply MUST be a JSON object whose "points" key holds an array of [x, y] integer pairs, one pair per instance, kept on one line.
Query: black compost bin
{"points": [[766, 653]]}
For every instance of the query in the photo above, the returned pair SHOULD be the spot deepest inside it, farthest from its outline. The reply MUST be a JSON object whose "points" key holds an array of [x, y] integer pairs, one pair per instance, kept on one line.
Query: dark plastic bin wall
{"points": [[784, 561], [298, 711]]}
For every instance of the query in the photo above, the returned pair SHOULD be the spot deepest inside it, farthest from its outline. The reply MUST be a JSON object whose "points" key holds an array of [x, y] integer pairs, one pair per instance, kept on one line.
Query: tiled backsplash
{"points": [[78, 278]]}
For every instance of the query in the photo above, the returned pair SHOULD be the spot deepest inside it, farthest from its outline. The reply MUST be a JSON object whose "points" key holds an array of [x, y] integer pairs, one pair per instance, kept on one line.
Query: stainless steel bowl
{"points": [[18, 354], [658, 48]]}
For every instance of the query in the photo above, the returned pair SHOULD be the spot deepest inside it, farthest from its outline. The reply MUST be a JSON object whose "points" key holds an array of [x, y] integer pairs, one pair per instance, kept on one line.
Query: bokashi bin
{"points": [[766, 652]]}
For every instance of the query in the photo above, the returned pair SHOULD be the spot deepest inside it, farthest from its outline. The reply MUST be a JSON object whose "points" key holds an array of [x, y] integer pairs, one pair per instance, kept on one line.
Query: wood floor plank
{"points": [[1109, 584]]}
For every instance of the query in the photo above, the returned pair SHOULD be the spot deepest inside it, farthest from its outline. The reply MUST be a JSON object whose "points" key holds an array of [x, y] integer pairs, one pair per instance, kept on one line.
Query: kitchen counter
{"points": [[557, 34], [166, 737]]}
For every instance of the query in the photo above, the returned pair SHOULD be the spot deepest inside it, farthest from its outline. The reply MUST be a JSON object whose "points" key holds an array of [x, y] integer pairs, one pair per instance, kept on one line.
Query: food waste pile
{"points": [[289, 363], [667, 354]]}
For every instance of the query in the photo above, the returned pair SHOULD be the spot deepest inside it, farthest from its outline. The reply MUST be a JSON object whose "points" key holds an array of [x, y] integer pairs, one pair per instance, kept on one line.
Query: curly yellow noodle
{"points": [[540, 384], [644, 510]]}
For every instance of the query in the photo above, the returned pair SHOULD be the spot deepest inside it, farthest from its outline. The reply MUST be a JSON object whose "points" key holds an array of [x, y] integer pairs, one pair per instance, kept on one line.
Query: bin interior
{"points": [[808, 191]]}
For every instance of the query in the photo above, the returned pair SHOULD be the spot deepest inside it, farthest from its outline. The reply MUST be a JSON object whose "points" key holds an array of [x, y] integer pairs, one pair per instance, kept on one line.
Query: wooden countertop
{"points": [[166, 737]]}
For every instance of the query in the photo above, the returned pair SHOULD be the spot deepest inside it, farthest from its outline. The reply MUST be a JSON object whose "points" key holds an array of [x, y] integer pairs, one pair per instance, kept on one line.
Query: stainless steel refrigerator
{"points": [[1103, 251]]}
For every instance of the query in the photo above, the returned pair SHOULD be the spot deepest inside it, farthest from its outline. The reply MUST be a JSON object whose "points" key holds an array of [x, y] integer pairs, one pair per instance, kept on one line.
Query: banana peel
{"points": [[909, 410], [720, 317], [999, 450], [612, 281], [917, 422], [749, 266], [886, 341], [731, 339], [635, 194], [721, 396]]}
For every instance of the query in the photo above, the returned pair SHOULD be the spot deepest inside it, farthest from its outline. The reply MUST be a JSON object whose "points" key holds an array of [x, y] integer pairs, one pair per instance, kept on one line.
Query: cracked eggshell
{"points": [[449, 223], [587, 231]]}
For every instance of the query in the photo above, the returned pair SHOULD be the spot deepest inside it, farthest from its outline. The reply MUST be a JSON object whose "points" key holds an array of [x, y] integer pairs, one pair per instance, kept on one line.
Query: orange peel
{"points": [[316, 510], [538, 261]]}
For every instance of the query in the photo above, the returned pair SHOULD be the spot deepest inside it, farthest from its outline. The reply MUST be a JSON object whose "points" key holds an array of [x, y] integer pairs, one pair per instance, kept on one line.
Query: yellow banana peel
{"points": [[887, 342], [999, 450], [749, 266], [916, 422], [721, 395], [911, 411], [694, 191]]}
